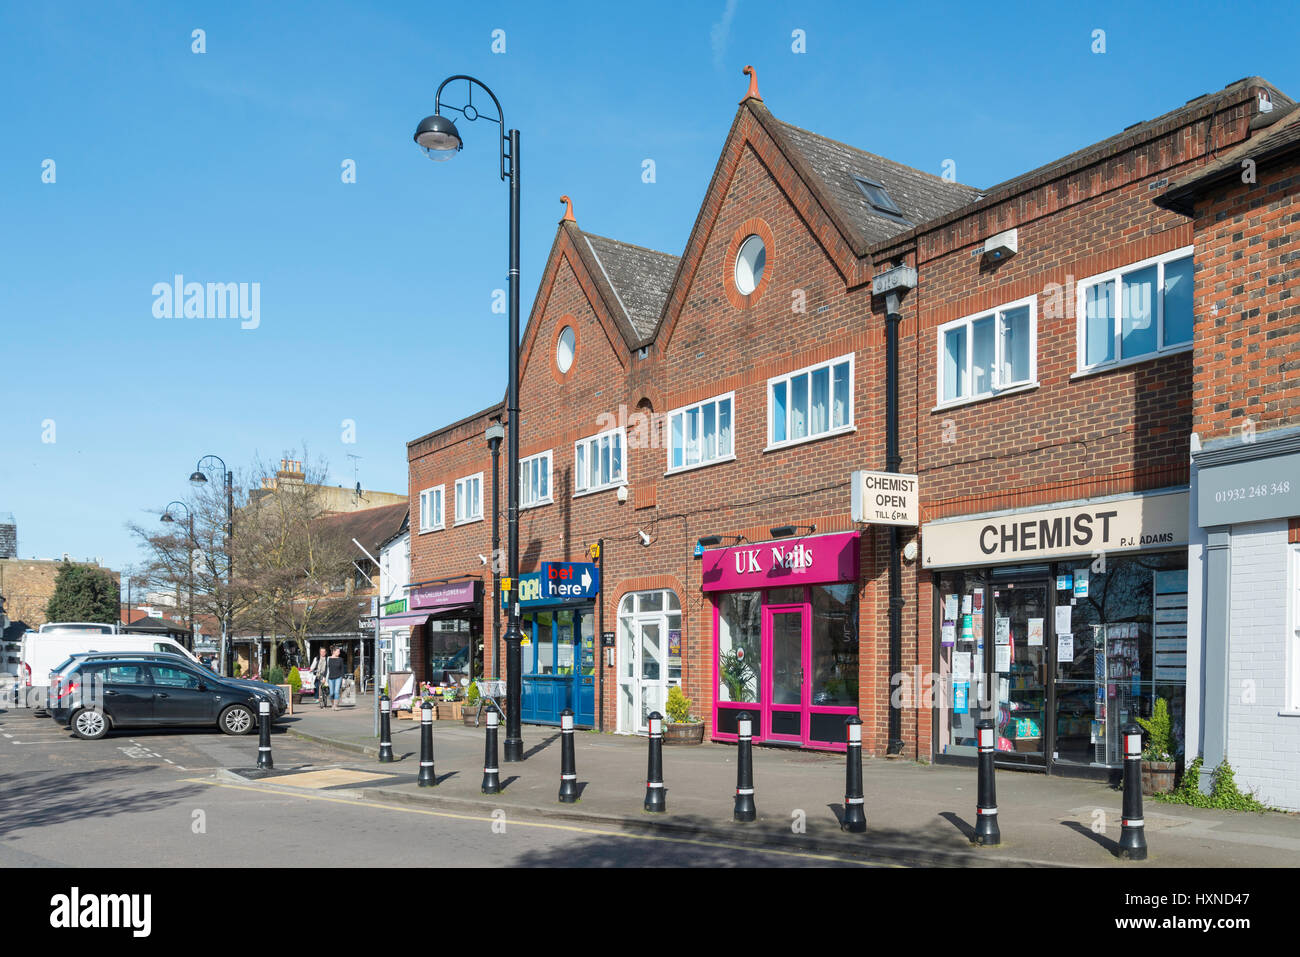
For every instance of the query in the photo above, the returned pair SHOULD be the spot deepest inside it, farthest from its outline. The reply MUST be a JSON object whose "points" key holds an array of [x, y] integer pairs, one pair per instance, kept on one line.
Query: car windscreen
{"points": [[58, 669]]}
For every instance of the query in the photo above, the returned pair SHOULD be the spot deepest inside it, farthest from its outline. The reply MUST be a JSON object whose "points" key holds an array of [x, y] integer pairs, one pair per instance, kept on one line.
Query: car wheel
{"points": [[90, 724], [236, 720]]}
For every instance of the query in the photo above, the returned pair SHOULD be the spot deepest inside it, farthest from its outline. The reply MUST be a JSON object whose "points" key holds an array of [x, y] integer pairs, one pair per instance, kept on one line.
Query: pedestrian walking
{"points": [[334, 671], [320, 669]]}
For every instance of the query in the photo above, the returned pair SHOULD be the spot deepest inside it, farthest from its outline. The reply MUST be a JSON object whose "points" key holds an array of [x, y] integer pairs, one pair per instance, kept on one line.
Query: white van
{"points": [[44, 650]]}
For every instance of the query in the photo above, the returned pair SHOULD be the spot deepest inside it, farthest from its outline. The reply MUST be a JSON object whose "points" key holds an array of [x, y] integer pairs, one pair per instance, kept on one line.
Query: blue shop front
{"points": [[557, 621]]}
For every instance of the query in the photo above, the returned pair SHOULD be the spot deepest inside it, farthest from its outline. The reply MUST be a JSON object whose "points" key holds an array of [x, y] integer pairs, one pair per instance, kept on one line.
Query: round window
{"points": [[750, 261], [564, 350]]}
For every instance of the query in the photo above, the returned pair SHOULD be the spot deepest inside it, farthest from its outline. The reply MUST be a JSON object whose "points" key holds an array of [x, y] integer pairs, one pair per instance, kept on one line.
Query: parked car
{"points": [[97, 695], [43, 650], [271, 692]]}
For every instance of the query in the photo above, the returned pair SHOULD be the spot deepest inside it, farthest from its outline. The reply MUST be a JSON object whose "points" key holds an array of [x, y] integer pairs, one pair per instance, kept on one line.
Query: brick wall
{"points": [[28, 586], [1247, 308]]}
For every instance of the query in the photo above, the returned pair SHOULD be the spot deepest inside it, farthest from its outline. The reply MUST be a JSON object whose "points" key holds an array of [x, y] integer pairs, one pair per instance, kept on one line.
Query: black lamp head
{"points": [[167, 517], [785, 531], [438, 137], [708, 541], [198, 478]]}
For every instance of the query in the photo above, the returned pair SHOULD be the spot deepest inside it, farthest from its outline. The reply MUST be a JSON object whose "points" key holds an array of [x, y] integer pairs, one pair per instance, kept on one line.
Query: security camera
{"points": [[482, 559], [645, 539]]}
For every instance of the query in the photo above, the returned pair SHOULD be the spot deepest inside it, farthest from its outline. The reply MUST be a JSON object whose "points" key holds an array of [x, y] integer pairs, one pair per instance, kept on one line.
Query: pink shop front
{"points": [[785, 630]]}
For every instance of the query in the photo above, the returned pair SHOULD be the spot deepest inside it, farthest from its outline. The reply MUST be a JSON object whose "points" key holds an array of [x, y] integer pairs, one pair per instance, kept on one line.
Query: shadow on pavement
{"points": [[541, 746], [959, 822], [35, 802], [1111, 847]]}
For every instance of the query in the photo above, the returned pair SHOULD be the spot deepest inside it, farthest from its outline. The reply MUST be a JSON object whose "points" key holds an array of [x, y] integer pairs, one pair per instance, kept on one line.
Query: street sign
{"points": [[607, 639], [885, 498]]}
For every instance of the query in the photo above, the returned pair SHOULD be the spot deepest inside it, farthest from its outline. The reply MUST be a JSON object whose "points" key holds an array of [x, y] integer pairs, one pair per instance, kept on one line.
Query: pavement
{"points": [[917, 814]]}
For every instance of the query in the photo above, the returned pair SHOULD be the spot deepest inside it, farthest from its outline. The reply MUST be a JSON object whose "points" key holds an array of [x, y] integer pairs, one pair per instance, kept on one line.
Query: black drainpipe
{"points": [[893, 283]]}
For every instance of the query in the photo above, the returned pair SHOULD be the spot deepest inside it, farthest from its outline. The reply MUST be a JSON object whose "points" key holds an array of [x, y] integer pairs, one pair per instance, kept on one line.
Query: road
{"points": [[160, 799]]}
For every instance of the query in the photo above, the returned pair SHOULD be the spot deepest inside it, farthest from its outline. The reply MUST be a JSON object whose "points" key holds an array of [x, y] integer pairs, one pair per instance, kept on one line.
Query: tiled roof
{"points": [[919, 196], [369, 526], [639, 278]]}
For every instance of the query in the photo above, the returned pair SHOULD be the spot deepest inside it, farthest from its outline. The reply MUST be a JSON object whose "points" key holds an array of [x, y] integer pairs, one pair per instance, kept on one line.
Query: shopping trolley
{"points": [[489, 690]]}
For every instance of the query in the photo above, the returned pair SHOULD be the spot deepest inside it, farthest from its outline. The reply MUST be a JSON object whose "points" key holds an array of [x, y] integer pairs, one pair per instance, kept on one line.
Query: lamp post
{"points": [[189, 557], [438, 137], [495, 433], [198, 479]]}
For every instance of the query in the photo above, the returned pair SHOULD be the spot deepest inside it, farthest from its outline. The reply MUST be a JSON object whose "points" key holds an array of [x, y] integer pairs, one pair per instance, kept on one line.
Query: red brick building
{"points": [[1043, 385]]}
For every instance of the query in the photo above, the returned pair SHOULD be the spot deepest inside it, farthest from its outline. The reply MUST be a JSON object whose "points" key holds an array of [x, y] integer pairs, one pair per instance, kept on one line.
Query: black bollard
{"points": [[654, 776], [855, 816], [264, 735], [1132, 838], [385, 734], [986, 798], [426, 778], [568, 773], [745, 810], [491, 773]]}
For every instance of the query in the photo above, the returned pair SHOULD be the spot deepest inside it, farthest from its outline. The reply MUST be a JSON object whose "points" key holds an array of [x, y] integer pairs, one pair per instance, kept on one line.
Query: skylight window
{"points": [[877, 196]]}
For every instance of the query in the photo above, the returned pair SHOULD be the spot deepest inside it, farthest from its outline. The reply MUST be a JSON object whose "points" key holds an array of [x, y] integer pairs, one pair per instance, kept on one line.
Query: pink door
{"points": [[785, 653]]}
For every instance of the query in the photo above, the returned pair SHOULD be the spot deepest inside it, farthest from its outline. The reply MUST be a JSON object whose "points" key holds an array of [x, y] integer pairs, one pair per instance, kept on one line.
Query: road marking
{"points": [[539, 824]]}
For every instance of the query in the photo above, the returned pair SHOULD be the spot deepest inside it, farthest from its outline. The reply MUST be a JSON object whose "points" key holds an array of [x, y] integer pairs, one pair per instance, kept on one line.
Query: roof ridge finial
{"points": [[568, 210], [752, 93]]}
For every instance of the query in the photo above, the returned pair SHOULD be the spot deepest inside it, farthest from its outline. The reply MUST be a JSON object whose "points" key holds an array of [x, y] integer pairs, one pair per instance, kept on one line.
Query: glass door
{"points": [[786, 651], [1019, 670]]}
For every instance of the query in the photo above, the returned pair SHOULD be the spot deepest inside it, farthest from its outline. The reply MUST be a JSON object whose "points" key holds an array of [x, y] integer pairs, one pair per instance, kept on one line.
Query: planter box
{"points": [[691, 732], [1158, 777], [448, 711]]}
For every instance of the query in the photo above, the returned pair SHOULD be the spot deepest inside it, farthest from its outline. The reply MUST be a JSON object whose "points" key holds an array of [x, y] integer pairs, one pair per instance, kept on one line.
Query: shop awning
{"points": [[406, 618]]}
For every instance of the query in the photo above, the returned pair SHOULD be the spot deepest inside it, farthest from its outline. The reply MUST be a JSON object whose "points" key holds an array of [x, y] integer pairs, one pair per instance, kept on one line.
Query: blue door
{"points": [[558, 657]]}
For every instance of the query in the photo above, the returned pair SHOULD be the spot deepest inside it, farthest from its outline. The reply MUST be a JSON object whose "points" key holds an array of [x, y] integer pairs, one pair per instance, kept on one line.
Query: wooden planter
{"points": [[691, 732], [468, 715], [1158, 777], [448, 711]]}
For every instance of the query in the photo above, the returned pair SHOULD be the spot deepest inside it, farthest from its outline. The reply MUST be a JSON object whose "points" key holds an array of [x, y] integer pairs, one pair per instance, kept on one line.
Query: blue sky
{"points": [[376, 295]]}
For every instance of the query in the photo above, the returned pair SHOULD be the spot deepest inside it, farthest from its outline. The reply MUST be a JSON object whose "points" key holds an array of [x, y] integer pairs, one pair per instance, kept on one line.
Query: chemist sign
{"points": [[886, 498]]}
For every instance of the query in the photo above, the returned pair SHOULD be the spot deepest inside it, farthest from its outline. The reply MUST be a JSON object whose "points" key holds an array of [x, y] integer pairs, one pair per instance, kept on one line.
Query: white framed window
{"points": [[469, 499], [751, 260], [535, 480], [811, 402], [1135, 312], [1293, 633], [598, 462], [431, 508], [988, 352], [702, 434]]}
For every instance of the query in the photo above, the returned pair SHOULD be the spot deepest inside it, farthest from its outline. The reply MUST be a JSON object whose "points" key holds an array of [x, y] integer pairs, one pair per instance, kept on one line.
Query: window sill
{"points": [[703, 465], [1289, 714], [1125, 363], [467, 521], [842, 430], [597, 491], [973, 400], [436, 528], [545, 501]]}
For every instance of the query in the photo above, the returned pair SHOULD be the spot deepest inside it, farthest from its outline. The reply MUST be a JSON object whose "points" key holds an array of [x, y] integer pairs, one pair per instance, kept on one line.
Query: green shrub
{"points": [[237, 669], [274, 675], [1160, 733], [471, 696], [678, 706], [295, 681], [1223, 792]]}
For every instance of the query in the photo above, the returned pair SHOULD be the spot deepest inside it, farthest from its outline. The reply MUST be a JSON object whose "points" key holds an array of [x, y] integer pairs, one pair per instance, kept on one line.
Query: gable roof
{"points": [[638, 279], [1278, 140], [919, 196]]}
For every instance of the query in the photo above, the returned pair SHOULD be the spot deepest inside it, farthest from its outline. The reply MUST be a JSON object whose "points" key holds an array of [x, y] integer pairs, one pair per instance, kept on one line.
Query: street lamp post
{"points": [[189, 557], [495, 433], [438, 137], [198, 479]]}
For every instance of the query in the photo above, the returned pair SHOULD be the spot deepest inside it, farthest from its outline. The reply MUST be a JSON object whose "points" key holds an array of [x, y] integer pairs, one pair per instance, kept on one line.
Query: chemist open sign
{"points": [[885, 498]]}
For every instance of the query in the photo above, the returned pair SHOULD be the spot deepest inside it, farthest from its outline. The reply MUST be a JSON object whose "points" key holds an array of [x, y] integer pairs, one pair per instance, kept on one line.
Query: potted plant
{"points": [[1158, 762], [737, 674], [295, 685], [446, 705], [682, 726], [469, 713]]}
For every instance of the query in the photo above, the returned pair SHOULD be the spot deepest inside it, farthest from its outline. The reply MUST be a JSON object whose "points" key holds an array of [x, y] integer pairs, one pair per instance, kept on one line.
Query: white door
{"points": [[645, 670]]}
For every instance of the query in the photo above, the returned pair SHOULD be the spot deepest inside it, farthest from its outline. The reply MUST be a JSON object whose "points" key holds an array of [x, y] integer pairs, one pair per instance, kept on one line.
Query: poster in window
{"points": [[961, 667], [1035, 631], [950, 608], [965, 604], [1002, 632], [675, 643], [1002, 659], [1064, 648], [1081, 583], [949, 633], [960, 697], [1063, 617]]}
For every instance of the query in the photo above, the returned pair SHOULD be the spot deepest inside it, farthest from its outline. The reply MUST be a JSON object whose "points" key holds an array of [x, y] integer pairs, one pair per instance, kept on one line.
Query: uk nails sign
{"points": [[800, 561]]}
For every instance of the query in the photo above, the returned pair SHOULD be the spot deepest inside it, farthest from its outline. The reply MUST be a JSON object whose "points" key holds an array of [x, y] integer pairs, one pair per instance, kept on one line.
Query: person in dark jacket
{"points": [[334, 672]]}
